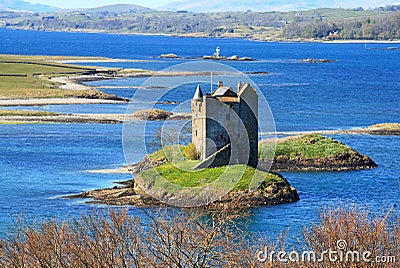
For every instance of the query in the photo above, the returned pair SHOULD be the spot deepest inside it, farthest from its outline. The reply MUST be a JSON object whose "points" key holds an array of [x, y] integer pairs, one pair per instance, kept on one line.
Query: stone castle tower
{"points": [[225, 126]]}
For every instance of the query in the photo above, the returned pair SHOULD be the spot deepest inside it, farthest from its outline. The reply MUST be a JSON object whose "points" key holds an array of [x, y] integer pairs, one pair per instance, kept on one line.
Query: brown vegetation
{"points": [[379, 235], [191, 238], [184, 239]]}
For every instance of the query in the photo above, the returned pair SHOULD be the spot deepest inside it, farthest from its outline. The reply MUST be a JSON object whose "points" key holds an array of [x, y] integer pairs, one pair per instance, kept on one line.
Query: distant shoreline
{"points": [[362, 42], [204, 36]]}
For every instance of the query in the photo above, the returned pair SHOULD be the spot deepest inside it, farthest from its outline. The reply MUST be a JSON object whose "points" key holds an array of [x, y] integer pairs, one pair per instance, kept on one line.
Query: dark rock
{"points": [[339, 162], [265, 195], [145, 164]]}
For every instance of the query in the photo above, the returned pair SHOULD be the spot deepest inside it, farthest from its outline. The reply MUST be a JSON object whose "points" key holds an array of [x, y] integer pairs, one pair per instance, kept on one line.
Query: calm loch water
{"points": [[39, 163]]}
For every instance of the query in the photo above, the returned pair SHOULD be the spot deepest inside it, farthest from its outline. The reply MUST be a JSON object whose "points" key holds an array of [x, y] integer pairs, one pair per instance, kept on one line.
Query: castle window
{"points": [[199, 108], [196, 132]]}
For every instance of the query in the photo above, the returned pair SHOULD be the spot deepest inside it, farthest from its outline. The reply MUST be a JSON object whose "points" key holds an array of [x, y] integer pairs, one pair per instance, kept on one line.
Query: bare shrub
{"points": [[190, 238], [91, 241], [169, 238], [361, 232]]}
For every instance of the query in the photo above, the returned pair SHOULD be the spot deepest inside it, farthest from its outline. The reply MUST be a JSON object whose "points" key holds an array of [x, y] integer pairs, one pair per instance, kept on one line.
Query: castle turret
{"points": [[198, 121], [198, 95]]}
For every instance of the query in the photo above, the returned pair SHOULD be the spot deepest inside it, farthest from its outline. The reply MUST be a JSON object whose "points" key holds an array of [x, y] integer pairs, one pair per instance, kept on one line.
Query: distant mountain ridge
{"points": [[118, 8], [275, 5], [23, 6], [206, 6]]}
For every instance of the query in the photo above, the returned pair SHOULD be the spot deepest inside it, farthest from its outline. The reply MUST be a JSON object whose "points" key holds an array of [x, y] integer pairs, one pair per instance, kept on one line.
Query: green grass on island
{"points": [[307, 146], [179, 171], [27, 77], [184, 178]]}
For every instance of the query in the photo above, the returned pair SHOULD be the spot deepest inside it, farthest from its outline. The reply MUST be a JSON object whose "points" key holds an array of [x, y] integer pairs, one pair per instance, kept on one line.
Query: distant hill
{"points": [[22, 6], [315, 24], [275, 5], [119, 9]]}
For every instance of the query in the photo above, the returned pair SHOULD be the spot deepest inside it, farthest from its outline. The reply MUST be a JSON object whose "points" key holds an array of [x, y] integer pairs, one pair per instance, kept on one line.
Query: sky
{"points": [[96, 3]]}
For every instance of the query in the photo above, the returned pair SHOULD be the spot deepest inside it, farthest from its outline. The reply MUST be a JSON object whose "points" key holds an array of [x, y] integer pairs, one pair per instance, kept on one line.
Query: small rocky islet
{"points": [[314, 152], [216, 56]]}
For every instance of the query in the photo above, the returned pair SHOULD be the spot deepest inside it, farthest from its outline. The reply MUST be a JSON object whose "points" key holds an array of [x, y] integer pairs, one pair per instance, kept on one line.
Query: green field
{"points": [[33, 68], [331, 14], [27, 77]]}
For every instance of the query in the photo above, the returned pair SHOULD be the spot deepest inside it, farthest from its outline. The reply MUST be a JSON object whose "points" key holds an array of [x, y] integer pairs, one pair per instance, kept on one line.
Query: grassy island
{"points": [[315, 152], [165, 171], [310, 146]]}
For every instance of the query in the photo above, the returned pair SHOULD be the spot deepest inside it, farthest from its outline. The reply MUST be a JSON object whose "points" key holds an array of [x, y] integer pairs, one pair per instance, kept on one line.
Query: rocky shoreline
{"points": [[85, 118], [58, 101], [385, 129], [67, 118], [340, 162], [130, 194]]}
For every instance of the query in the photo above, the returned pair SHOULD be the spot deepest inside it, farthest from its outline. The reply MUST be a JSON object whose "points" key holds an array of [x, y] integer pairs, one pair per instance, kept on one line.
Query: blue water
{"points": [[38, 163]]}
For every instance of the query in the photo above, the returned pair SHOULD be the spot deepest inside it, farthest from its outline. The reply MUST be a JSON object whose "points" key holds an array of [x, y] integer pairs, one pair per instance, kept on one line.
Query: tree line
{"points": [[369, 28], [382, 24]]}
